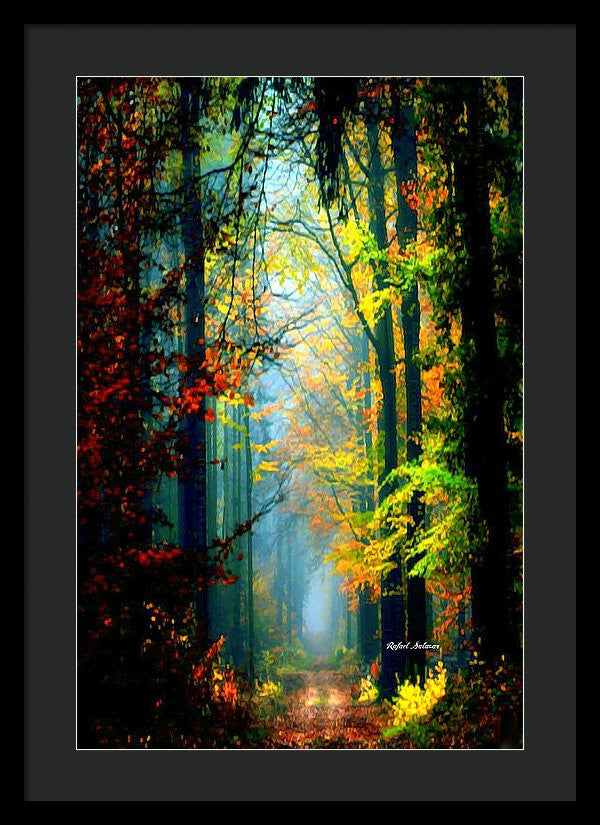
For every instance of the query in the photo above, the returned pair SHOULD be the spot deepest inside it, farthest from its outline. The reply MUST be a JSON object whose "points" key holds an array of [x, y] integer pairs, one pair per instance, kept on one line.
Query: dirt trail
{"points": [[321, 714]]}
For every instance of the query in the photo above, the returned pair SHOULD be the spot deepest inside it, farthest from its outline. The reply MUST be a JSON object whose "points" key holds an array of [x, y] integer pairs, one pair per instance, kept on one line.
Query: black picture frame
{"points": [[545, 56]]}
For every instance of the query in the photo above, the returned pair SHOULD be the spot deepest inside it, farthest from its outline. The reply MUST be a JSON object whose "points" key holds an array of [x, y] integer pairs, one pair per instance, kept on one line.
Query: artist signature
{"points": [[412, 646]]}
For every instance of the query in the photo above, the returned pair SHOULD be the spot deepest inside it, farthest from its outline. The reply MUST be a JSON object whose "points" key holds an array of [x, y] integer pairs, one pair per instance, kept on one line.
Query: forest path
{"points": [[321, 714]]}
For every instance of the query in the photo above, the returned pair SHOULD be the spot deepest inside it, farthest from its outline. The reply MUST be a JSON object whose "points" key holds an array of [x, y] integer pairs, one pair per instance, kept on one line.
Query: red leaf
{"points": [[375, 670]]}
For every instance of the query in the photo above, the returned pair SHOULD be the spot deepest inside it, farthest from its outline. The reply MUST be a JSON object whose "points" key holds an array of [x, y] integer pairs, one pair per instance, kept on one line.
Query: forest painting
{"points": [[299, 412]]}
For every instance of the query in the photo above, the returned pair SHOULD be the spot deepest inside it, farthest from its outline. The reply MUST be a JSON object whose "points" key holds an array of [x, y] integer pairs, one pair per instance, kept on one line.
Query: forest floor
{"points": [[321, 714]]}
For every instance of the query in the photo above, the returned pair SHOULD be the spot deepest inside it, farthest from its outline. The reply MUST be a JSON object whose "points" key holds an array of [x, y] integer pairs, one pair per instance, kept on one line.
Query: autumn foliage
{"points": [[298, 299]]}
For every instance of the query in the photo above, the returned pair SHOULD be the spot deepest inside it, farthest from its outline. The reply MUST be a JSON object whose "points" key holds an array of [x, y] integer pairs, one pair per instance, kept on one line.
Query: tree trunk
{"points": [[279, 580], [226, 523], [348, 625], [485, 457], [249, 559], [236, 496], [289, 593], [211, 512], [368, 609], [392, 588], [405, 166], [299, 600], [227, 598], [192, 483], [211, 453], [134, 669]]}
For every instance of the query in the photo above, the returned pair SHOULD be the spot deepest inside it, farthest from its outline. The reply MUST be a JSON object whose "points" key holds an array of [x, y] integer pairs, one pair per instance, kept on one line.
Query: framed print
{"points": [[292, 488]]}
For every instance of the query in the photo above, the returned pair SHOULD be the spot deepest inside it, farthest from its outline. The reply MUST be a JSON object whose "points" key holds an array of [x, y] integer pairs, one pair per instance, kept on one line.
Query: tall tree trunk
{"points": [[485, 456], [211, 474], [135, 705], [405, 166], [279, 580], [192, 483], [392, 587], [299, 599], [289, 592], [225, 525], [368, 609], [367, 626], [348, 624], [211, 510], [236, 496], [249, 549], [298, 583], [513, 183]]}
